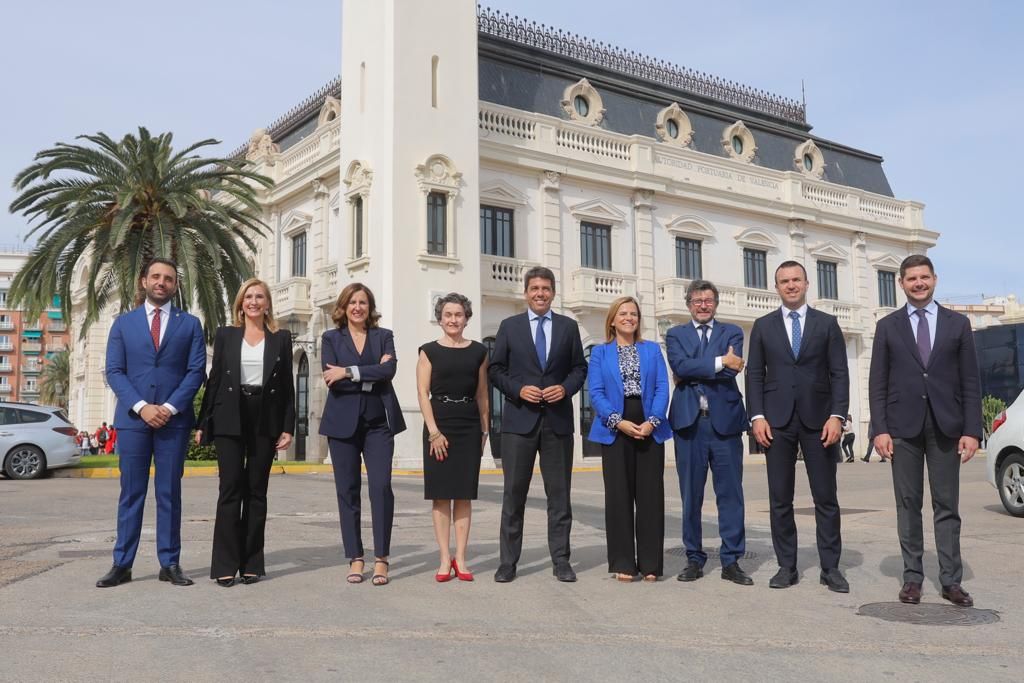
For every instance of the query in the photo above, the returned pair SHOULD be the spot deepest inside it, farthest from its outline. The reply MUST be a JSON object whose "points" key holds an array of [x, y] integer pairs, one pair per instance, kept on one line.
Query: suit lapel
{"points": [[233, 350], [173, 322], [811, 323], [269, 354], [780, 331], [942, 329], [907, 335], [348, 343]]}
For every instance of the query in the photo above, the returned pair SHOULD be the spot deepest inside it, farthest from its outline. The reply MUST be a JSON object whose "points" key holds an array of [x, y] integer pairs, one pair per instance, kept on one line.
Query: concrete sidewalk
{"points": [[304, 622]]}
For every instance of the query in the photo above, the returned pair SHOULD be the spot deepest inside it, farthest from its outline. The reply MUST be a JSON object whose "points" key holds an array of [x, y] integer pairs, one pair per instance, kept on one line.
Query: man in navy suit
{"points": [[925, 396], [156, 362], [538, 364], [798, 394], [708, 419]]}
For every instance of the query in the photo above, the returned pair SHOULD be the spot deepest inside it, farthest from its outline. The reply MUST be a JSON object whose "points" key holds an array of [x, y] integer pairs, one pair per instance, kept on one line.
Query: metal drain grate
{"points": [[928, 614], [680, 551]]}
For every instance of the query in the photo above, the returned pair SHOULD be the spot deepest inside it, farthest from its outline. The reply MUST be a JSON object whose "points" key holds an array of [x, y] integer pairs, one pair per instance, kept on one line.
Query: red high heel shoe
{"points": [[463, 576], [448, 575]]}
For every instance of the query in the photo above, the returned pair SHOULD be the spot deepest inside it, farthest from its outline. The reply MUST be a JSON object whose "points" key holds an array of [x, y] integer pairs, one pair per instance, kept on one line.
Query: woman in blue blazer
{"points": [[361, 417], [629, 394]]}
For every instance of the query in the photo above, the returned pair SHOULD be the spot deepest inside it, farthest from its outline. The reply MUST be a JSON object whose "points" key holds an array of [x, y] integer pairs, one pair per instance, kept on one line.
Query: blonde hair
{"points": [[268, 315], [609, 331]]}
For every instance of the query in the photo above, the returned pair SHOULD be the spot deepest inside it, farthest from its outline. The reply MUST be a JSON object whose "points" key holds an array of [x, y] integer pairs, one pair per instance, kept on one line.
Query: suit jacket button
{"points": [[229, 388], [271, 391], [925, 375], [229, 372], [924, 396]]}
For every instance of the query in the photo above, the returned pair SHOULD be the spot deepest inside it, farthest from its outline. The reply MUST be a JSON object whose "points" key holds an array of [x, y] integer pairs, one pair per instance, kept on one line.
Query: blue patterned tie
{"points": [[705, 337], [541, 342], [795, 317]]}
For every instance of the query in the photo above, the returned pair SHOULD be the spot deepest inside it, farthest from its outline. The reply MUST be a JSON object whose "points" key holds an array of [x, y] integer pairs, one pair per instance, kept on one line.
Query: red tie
{"points": [[154, 329]]}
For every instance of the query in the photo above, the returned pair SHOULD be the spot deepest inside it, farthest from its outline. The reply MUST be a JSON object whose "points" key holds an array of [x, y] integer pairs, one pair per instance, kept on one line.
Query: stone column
{"points": [[551, 230], [798, 242], [643, 210]]}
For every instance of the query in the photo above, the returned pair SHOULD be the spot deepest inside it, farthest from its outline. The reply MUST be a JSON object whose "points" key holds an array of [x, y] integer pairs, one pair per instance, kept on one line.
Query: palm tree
{"points": [[117, 204], [55, 379]]}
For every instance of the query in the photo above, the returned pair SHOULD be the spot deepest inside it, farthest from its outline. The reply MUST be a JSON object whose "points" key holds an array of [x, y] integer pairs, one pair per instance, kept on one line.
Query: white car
{"points": [[34, 439], [1005, 458]]}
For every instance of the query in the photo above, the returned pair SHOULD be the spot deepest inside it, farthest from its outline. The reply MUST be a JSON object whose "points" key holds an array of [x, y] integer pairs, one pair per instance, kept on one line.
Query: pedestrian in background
{"points": [[848, 438], [629, 393], [248, 413], [360, 420], [451, 385]]}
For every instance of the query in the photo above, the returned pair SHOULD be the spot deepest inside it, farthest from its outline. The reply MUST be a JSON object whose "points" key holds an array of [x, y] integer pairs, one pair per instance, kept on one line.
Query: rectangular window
{"points": [[886, 289], [755, 269], [496, 236], [3, 298], [828, 280], [357, 227], [437, 223], [596, 246], [688, 266], [299, 255]]}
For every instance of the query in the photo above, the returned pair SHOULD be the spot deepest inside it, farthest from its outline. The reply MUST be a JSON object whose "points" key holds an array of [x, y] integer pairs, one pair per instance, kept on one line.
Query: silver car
{"points": [[34, 439], [1005, 457]]}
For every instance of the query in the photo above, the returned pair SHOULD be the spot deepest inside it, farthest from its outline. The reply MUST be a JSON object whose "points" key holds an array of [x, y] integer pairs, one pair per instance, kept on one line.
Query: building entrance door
{"points": [[301, 407]]}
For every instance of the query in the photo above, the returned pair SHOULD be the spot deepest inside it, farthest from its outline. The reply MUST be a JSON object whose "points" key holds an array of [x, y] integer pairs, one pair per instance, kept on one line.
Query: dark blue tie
{"points": [[541, 342], [705, 338], [795, 317], [924, 334]]}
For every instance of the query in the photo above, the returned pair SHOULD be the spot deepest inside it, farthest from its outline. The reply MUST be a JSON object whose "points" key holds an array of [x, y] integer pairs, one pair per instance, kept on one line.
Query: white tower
{"points": [[410, 166]]}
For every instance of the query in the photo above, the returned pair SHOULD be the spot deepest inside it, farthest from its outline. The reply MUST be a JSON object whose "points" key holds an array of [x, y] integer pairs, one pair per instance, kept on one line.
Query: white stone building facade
{"points": [[456, 164]]}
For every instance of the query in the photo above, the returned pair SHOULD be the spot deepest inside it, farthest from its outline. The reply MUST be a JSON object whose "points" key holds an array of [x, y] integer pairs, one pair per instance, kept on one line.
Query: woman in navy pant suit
{"points": [[629, 393], [361, 417]]}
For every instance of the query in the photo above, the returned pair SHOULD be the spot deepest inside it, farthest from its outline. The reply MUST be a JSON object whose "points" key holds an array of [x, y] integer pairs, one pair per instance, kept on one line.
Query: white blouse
{"points": [[252, 363]]}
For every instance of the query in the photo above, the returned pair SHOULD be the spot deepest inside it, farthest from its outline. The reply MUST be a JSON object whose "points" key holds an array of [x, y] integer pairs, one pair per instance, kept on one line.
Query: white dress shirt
{"points": [[165, 316], [788, 322], [252, 363]]}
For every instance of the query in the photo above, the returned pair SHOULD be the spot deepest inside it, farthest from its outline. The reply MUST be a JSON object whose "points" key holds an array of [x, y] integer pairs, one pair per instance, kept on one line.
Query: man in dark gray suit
{"points": [[798, 394], [925, 395], [538, 364]]}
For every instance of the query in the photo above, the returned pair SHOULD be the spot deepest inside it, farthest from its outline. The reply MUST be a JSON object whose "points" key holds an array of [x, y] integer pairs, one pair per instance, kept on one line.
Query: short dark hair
{"points": [[538, 272], [913, 261], [700, 286], [789, 264], [160, 259], [453, 298]]}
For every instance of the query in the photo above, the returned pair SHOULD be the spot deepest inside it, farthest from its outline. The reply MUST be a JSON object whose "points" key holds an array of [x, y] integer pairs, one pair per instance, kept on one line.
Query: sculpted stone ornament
{"points": [[261, 144], [550, 180]]}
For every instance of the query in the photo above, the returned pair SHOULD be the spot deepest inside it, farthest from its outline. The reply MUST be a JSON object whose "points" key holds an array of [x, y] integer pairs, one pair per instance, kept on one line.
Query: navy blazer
{"points": [[171, 374], [695, 374], [220, 414], [341, 411], [816, 384], [901, 387], [514, 365], [606, 393]]}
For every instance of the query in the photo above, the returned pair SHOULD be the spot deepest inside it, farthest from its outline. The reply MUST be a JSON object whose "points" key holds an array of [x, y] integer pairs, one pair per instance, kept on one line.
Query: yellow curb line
{"points": [[212, 471]]}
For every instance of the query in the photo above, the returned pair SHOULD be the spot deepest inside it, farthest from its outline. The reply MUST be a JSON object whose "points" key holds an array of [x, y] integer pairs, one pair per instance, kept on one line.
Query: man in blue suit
{"points": [[156, 362], [708, 419]]}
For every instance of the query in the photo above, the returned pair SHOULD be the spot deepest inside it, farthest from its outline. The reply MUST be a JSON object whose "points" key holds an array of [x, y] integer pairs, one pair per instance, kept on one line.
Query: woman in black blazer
{"points": [[248, 412], [361, 417]]}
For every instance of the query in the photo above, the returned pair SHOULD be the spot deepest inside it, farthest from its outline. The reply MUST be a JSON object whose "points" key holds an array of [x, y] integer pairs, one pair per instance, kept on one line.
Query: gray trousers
{"points": [[909, 458]]}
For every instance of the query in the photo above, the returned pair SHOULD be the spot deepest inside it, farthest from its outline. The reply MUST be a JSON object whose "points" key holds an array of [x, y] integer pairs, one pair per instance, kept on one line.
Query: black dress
{"points": [[454, 376]]}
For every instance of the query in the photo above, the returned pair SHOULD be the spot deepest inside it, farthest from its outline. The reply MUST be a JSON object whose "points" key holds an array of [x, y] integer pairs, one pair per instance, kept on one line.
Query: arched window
{"points": [[301, 407], [497, 407], [590, 449]]}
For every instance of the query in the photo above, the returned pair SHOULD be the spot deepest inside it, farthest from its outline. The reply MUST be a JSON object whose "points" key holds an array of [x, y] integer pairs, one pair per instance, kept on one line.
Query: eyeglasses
{"points": [[702, 302]]}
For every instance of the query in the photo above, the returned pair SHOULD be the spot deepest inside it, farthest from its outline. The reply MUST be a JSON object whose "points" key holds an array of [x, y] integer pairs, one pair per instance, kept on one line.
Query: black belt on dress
{"points": [[251, 389], [444, 398], [704, 412]]}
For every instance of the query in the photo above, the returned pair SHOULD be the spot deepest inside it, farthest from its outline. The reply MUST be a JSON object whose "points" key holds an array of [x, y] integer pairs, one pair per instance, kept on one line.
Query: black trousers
{"points": [[908, 462], [518, 455], [847, 443], [634, 500], [244, 470], [820, 464]]}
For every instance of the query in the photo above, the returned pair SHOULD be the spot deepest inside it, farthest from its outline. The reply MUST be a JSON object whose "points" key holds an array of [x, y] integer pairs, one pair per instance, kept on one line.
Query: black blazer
{"points": [[220, 414], [817, 383], [900, 387], [341, 411], [514, 365]]}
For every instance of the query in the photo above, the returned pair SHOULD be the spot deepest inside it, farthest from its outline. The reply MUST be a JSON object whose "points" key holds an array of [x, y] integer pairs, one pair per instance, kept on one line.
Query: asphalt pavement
{"points": [[303, 622]]}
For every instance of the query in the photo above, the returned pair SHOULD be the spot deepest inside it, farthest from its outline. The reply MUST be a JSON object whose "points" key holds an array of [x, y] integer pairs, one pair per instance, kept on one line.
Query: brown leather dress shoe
{"points": [[910, 594], [957, 595]]}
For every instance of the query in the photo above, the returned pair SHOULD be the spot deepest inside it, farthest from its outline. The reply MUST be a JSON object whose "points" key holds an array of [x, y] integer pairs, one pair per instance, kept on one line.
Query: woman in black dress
{"points": [[451, 382]]}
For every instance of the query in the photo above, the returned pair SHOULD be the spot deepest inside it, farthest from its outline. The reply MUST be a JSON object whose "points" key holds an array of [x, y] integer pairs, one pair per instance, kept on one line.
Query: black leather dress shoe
{"points": [[563, 572], [115, 577], [691, 572], [834, 579], [249, 579], [956, 594], [173, 573], [784, 578], [506, 573], [736, 574]]}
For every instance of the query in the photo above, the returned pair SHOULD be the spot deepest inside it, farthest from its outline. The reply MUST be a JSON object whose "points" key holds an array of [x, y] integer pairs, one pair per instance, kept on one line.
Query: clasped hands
{"points": [[155, 416], [637, 431], [552, 394], [334, 373]]}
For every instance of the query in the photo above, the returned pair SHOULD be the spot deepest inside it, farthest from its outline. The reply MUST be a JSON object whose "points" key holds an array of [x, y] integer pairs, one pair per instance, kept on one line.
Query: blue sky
{"points": [[934, 87]]}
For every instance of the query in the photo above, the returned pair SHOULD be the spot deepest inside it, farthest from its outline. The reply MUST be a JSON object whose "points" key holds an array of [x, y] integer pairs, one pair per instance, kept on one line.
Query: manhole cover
{"points": [[680, 551], [928, 614]]}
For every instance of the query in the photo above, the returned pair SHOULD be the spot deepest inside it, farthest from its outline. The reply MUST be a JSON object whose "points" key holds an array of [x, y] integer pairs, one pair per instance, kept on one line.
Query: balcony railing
{"points": [[325, 284], [57, 326], [7, 347], [29, 389], [6, 367], [32, 327], [31, 347], [6, 325], [56, 348], [501, 276], [596, 289], [6, 388], [291, 298], [31, 369], [734, 303]]}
